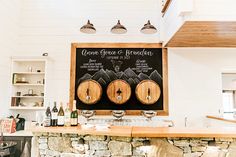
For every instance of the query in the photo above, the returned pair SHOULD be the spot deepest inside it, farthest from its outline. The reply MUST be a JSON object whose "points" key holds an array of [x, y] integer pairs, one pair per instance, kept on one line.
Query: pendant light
{"points": [[118, 28], [148, 28], [88, 28]]}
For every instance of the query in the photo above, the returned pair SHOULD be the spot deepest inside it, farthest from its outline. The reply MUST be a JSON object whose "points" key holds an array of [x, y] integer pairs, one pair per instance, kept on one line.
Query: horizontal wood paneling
{"points": [[205, 34]]}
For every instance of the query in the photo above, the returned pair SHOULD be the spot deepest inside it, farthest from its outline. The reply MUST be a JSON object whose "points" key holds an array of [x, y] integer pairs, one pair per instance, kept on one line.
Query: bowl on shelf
{"points": [[29, 104], [21, 80], [30, 95]]}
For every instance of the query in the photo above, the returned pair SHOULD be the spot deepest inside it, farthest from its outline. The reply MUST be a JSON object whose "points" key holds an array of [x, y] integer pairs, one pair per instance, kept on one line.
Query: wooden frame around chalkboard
{"points": [[74, 46]]}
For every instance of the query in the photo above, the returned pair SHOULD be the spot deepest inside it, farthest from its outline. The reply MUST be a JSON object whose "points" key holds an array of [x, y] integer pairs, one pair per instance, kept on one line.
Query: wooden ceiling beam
{"points": [[205, 34]]}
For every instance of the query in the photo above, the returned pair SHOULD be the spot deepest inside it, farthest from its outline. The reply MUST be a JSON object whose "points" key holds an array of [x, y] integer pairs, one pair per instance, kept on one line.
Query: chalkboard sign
{"points": [[132, 63]]}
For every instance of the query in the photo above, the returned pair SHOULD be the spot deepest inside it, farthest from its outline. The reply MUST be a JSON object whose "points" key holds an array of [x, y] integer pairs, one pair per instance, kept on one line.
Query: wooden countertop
{"points": [[183, 132], [112, 131], [226, 118], [130, 131]]}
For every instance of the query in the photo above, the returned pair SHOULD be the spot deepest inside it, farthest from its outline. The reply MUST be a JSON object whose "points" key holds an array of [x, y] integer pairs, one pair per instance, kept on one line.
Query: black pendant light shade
{"points": [[148, 28], [118, 28], [88, 28]]}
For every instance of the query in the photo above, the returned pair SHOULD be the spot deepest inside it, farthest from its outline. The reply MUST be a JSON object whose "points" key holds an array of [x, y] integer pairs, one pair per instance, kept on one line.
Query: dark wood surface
{"points": [[91, 89], [123, 87], [148, 92]]}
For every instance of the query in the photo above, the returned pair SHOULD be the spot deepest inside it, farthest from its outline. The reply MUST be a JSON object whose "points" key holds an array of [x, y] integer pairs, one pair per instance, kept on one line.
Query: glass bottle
{"points": [[54, 115], [67, 115], [74, 115], [60, 116], [48, 116]]}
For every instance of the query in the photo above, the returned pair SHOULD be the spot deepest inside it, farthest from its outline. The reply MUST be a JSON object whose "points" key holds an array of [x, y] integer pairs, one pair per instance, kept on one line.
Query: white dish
{"points": [[87, 126]]}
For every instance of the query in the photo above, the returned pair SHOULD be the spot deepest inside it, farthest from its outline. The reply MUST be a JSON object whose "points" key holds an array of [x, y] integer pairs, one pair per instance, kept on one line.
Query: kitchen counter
{"points": [[130, 131]]}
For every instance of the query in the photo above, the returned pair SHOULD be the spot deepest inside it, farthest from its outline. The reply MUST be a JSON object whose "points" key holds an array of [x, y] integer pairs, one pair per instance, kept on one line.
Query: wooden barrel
{"points": [[148, 92], [89, 92], [119, 91]]}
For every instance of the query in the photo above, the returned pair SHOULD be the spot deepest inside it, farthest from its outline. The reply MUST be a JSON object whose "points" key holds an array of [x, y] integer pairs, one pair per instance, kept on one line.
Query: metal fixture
{"points": [[88, 28], [87, 114], [149, 114], [118, 114], [88, 97], [119, 97], [149, 94], [148, 28], [45, 54], [118, 28], [185, 121]]}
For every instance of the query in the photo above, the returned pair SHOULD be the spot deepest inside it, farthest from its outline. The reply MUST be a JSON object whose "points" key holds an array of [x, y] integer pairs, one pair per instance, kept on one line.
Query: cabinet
{"points": [[20, 140], [28, 87]]}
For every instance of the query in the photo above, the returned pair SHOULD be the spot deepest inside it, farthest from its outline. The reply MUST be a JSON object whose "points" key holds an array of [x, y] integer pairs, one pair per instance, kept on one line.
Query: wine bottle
{"points": [[74, 115], [48, 116], [54, 115], [60, 116], [67, 115]]}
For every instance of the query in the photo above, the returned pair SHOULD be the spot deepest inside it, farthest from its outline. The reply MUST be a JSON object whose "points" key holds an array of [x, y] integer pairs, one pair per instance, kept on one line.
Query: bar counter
{"points": [[112, 131], [130, 131], [130, 141]]}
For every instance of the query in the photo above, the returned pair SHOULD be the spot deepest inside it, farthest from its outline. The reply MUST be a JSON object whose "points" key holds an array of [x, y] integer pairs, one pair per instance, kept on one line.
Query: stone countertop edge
{"points": [[130, 131]]}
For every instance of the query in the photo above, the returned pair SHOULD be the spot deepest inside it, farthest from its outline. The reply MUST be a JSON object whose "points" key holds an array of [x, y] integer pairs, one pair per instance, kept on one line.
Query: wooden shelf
{"points": [[27, 96], [226, 118], [26, 67], [26, 108], [27, 84], [29, 73], [165, 7]]}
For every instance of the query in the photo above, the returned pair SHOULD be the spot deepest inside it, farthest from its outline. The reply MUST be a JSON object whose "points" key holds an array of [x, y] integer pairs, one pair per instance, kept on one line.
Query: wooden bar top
{"points": [[183, 132], [130, 131], [112, 131]]}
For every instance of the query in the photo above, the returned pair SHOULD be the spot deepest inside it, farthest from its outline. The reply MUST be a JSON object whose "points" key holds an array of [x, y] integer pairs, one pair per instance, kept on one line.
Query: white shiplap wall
{"points": [[9, 12], [195, 83], [51, 26], [214, 10]]}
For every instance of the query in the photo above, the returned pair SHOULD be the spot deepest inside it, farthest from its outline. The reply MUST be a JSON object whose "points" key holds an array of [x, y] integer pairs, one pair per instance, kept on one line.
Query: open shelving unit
{"points": [[28, 77]]}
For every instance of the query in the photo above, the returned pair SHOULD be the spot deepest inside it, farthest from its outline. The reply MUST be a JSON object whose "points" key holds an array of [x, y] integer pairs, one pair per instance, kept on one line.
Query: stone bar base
{"points": [[74, 145]]}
